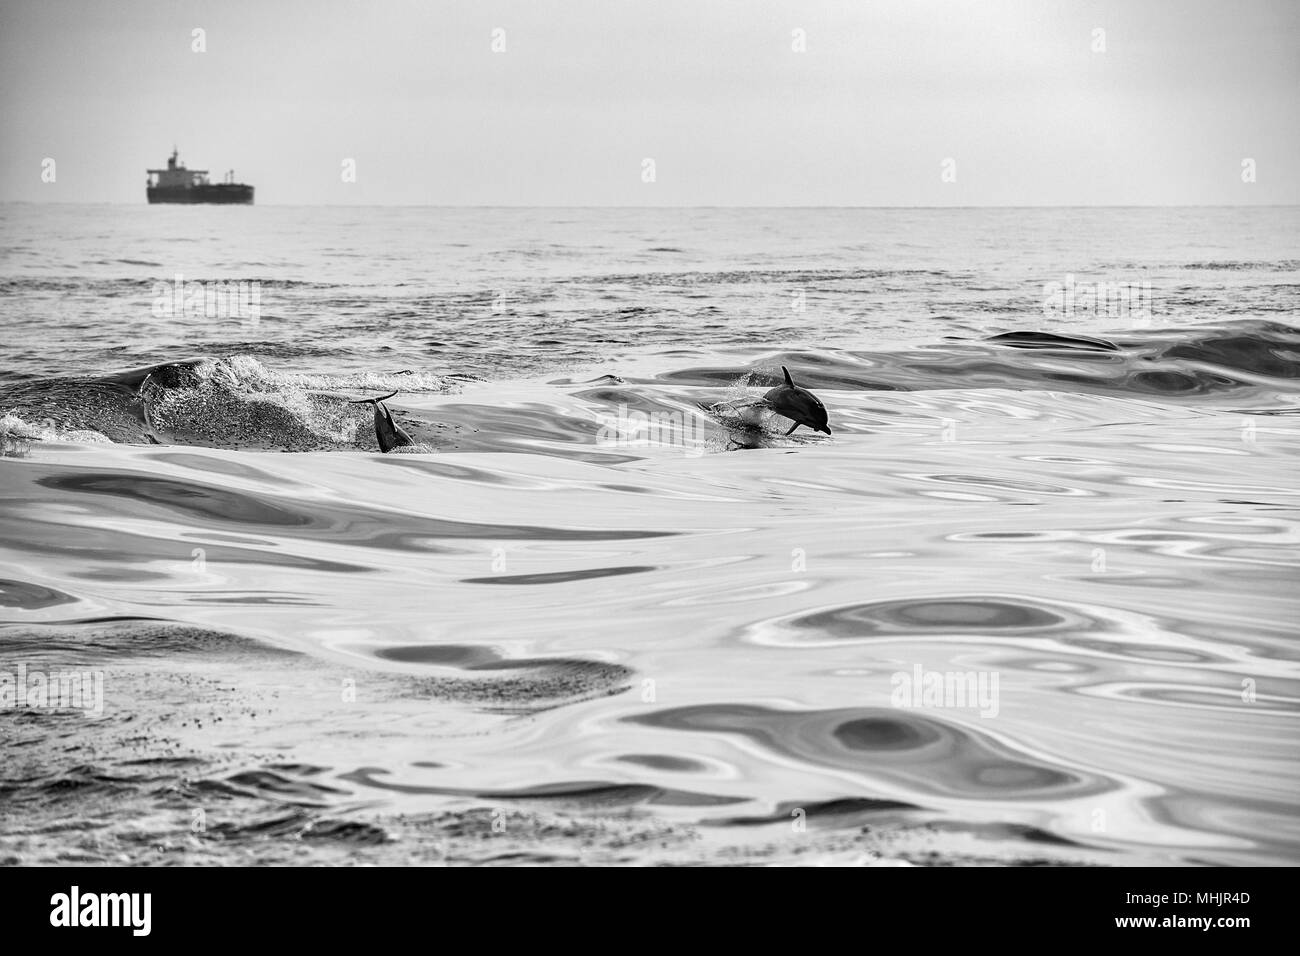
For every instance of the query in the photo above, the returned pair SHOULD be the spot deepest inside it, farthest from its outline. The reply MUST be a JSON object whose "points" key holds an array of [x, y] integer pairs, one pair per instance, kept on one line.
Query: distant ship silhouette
{"points": [[178, 184]]}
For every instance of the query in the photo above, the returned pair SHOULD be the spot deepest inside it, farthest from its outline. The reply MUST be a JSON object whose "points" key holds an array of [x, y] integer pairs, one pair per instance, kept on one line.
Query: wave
{"points": [[1168, 363], [238, 402], [1236, 265], [21, 284], [234, 402], [790, 276]]}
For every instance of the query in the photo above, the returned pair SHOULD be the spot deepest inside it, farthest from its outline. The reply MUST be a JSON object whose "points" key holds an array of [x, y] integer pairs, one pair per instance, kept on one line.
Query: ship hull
{"points": [[237, 193]]}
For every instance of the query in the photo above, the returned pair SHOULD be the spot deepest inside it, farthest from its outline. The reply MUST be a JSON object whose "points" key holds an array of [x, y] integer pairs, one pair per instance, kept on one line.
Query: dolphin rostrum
{"points": [[388, 433], [797, 404]]}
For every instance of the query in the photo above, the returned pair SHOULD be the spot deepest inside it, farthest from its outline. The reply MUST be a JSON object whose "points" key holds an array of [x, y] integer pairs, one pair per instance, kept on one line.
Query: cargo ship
{"points": [[178, 184]]}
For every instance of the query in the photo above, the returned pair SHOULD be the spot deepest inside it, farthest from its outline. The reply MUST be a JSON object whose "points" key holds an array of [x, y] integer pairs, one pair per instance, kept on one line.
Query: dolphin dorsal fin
{"points": [[789, 381], [364, 401]]}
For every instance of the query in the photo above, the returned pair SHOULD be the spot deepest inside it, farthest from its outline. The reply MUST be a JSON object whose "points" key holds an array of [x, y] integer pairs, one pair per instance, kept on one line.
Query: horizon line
{"points": [[109, 202]]}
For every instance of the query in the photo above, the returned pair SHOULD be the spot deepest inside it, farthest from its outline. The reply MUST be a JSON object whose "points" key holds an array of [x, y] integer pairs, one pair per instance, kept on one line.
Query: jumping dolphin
{"points": [[388, 433], [798, 404]]}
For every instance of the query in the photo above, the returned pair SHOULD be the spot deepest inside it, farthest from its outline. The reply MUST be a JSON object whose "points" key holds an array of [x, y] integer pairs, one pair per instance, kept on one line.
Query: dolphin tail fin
{"points": [[788, 380], [366, 401]]}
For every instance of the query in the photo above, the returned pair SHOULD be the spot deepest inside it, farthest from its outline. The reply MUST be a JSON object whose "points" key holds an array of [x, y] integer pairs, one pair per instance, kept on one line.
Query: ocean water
{"points": [[1033, 600]]}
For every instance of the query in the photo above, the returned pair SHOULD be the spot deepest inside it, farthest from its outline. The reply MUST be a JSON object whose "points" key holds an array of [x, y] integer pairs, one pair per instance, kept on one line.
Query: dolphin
{"points": [[388, 433], [798, 404]]}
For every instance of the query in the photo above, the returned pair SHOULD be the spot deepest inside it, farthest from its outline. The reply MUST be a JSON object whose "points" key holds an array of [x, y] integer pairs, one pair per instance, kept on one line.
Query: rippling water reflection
{"points": [[1033, 600], [728, 639]]}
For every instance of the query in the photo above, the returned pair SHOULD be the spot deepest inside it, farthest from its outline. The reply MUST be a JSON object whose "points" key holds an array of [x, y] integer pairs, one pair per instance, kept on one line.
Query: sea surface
{"points": [[1034, 600]]}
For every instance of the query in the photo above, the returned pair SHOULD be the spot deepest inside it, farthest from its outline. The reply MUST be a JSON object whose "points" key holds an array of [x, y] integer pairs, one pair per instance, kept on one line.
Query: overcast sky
{"points": [[712, 91]]}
